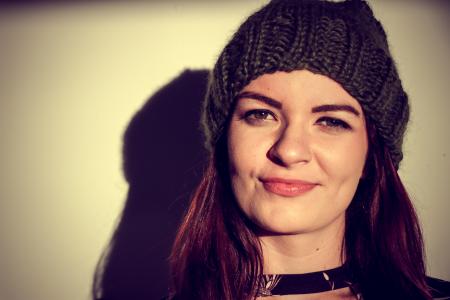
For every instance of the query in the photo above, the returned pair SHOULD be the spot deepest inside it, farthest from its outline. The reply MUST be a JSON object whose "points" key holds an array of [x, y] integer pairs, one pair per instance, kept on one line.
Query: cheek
{"points": [[344, 167], [346, 157], [247, 149], [237, 157], [356, 154], [247, 157], [346, 171]]}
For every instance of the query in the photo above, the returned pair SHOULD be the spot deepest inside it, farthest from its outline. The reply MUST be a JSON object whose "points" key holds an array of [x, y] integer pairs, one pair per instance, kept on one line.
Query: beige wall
{"points": [[72, 76]]}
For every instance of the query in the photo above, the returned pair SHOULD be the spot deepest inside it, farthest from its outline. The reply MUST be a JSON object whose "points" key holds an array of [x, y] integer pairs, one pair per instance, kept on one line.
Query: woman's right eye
{"points": [[256, 116]]}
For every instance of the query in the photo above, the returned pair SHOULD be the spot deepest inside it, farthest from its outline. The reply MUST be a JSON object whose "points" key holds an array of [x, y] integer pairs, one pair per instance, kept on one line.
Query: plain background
{"points": [[73, 75]]}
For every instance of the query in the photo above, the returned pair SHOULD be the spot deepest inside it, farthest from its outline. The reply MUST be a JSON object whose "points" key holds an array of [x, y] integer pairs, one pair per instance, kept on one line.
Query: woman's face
{"points": [[297, 145]]}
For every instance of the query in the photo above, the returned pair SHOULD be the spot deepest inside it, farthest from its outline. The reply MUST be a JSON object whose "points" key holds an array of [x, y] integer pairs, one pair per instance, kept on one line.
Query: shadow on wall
{"points": [[164, 159]]}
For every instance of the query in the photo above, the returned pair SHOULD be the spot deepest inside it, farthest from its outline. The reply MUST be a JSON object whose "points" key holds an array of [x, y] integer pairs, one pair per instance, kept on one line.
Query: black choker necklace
{"points": [[291, 284]]}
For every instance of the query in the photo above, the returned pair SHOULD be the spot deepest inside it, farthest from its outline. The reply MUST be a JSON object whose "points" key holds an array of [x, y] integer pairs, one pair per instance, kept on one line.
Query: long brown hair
{"points": [[217, 255]]}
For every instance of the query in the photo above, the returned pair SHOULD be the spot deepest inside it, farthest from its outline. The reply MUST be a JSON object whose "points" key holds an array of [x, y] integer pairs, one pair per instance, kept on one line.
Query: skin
{"points": [[286, 139]]}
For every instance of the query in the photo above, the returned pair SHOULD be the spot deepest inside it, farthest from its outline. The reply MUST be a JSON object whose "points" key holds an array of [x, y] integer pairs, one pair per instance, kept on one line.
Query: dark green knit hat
{"points": [[341, 40]]}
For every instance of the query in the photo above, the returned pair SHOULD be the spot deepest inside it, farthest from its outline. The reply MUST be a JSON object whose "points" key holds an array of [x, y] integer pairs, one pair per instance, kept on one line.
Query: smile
{"points": [[287, 188]]}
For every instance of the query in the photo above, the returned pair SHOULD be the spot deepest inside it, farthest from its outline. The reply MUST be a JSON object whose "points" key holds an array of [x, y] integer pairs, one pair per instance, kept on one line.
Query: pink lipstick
{"points": [[286, 187]]}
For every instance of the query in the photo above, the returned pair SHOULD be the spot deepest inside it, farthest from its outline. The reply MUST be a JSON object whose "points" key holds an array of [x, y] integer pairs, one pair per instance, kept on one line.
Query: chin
{"points": [[281, 227]]}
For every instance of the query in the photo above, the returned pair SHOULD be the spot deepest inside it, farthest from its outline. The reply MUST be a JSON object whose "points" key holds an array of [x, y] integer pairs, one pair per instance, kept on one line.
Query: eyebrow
{"points": [[336, 107], [269, 101], [317, 109]]}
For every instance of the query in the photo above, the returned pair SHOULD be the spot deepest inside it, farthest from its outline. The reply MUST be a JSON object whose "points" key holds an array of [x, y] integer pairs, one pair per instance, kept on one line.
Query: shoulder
{"points": [[440, 289]]}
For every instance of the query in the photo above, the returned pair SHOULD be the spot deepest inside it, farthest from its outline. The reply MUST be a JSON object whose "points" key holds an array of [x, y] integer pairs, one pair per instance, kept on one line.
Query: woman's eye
{"points": [[258, 115], [333, 123]]}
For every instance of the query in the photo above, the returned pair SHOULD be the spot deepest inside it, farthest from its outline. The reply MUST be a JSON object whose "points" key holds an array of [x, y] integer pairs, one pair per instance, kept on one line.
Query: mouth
{"points": [[287, 187]]}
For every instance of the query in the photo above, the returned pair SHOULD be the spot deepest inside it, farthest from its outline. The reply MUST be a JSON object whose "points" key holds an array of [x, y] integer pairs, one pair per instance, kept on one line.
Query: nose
{"points": [[292, 147]]}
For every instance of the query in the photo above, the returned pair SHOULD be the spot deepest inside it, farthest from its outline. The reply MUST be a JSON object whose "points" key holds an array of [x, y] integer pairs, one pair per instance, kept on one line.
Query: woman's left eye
{"points": [[333, 123]]}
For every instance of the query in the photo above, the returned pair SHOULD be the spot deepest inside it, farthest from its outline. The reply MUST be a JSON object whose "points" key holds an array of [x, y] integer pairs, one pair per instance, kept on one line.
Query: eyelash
{"points": [[251, 117], [335, 123]]}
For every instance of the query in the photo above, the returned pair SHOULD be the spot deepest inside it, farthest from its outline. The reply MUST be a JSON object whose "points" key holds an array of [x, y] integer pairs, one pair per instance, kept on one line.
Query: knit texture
{"points": [[341, 40]]}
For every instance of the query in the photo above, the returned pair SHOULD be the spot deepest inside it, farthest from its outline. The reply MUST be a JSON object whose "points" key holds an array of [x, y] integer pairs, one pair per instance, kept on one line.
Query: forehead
{"points": [[302, 85]]}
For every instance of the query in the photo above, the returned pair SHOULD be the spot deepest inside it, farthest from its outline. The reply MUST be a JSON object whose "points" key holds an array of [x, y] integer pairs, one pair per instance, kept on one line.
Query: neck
{"points": [[304, 252]]}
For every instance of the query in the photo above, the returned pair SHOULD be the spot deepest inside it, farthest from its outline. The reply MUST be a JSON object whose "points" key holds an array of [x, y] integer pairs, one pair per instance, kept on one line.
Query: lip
{"points": [[287, 187]]}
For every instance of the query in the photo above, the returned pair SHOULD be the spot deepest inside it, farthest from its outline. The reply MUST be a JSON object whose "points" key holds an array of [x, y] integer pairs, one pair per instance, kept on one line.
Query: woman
{"points": [[304, 118]]}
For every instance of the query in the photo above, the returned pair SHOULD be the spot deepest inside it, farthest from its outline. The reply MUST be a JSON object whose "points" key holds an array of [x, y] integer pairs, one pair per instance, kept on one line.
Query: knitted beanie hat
{"points": [[341, 40]]}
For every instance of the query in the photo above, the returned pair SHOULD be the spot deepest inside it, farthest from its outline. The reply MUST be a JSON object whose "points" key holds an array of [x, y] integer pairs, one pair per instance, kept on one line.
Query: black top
{"points": [[307, 283], [440, 289], [327, 280]]}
